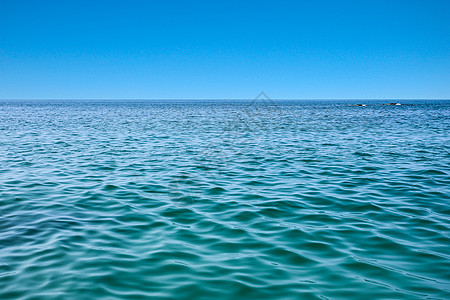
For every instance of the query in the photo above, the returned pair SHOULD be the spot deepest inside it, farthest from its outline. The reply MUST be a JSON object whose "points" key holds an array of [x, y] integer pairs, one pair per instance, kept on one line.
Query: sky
{"points": [[224, 49]]}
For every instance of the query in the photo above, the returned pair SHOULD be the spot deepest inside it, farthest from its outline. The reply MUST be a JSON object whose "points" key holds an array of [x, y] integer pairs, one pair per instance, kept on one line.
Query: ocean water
{"points": [[224, 200]]}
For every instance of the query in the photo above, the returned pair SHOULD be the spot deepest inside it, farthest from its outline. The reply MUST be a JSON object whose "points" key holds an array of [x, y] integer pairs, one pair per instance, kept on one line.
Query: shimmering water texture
{"points": [[224, 200]]}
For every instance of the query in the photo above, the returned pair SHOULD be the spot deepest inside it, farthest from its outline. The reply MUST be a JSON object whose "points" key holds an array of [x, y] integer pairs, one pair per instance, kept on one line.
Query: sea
{"points": [[224, 199]]}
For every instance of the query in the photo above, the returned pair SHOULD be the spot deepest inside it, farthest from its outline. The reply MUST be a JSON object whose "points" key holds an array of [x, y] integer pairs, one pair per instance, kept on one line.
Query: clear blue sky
{"points": [[224, 49]]}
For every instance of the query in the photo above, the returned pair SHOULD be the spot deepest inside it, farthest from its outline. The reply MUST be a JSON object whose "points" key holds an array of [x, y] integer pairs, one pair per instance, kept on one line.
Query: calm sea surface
{"points": [[224, 200]]}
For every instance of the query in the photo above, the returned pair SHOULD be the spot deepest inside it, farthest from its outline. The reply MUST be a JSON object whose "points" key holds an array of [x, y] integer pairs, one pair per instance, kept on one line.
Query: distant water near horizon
{"points": [[218, 200]]}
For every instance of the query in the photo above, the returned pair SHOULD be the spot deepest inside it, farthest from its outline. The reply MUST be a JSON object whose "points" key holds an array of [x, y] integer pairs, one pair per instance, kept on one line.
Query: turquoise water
{"points": [[224, 200]]}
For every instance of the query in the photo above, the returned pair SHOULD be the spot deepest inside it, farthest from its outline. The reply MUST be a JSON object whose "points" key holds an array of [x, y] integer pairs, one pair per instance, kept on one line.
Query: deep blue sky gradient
{"points": [[227, 49]]}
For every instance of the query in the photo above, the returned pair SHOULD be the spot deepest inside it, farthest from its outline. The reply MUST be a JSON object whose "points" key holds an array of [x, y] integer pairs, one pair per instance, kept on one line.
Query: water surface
{"points": [[224, 200]]}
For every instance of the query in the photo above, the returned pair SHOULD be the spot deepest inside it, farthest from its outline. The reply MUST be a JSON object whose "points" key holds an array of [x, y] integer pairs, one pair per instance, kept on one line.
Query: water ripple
{"points": [[237, 200]]}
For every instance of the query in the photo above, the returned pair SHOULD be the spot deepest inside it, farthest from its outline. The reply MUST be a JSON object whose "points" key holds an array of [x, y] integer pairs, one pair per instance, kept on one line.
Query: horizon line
{"points": [[225, 99]]}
